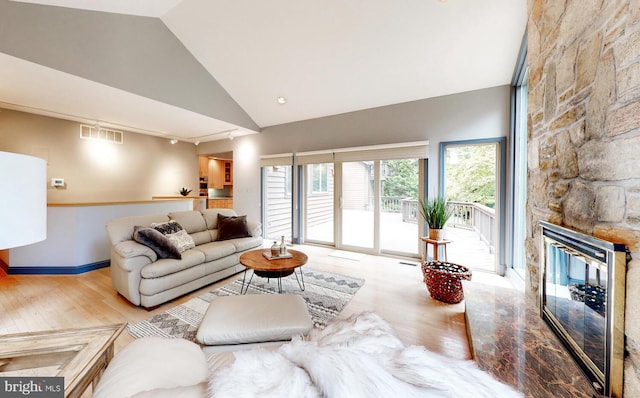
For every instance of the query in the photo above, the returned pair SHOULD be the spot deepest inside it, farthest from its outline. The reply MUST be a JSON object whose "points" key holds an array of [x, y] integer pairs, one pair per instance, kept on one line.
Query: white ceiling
{"points": [[326, 57]]}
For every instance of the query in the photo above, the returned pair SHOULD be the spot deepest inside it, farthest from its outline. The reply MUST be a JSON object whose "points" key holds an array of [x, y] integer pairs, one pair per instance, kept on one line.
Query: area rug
{"points": [[326, 294]]}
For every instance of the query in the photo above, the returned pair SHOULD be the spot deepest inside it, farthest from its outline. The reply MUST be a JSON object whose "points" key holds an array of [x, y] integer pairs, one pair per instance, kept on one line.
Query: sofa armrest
{"points": [[255, 228], [130, 249]]}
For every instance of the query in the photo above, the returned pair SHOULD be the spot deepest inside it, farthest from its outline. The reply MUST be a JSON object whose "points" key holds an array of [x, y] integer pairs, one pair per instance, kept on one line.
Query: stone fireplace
{"points": [[584, 137]]}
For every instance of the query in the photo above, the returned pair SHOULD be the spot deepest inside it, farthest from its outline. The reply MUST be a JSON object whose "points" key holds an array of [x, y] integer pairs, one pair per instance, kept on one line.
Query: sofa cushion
{"points": [[151, 363], [168, 266], [176, 234], [211, 216], [155, 240], [201, 237], [243, 244], [232, 227], [216, 250], [191, 221]]}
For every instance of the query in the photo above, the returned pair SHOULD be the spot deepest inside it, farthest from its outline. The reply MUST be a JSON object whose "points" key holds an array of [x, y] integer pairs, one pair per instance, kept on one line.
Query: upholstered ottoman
{"points": [[237, 322]]}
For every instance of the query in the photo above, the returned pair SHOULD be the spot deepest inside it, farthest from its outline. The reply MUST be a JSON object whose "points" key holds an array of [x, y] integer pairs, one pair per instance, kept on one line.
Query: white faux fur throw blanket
{"points": [[359, 357]]}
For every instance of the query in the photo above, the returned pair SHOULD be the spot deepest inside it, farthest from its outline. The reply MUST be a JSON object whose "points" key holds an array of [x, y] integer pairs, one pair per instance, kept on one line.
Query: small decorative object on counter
{"points": [[275, 249], [283, 246], [185, 191]]}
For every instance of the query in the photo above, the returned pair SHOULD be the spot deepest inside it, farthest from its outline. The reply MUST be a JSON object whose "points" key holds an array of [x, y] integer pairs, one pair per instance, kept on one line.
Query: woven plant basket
{"points": [[443, 279]]}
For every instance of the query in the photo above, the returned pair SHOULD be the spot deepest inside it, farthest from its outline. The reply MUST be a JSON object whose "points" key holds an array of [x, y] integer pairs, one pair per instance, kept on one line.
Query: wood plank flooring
{"points": [[392, 289]]}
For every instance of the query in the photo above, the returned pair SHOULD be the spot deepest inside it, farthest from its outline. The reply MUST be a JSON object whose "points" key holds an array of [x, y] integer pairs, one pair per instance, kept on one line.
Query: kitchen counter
{"points": [[199, 202]]}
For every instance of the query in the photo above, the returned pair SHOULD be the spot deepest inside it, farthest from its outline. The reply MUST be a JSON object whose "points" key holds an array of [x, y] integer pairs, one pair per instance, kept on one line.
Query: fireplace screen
{"points": [[582, 300]]}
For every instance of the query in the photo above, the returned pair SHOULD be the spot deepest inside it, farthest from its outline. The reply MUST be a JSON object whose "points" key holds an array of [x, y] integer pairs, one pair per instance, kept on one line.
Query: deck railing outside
{"points": [[473, 216], [477, 217]]}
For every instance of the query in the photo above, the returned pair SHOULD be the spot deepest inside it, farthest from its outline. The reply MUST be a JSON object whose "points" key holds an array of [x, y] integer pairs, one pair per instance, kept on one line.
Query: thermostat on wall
{"points": [[57, 182]]}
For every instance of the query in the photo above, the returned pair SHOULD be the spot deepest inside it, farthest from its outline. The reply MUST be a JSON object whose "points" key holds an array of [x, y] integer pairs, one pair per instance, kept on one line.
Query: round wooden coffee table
{"points": [[275, 268]]}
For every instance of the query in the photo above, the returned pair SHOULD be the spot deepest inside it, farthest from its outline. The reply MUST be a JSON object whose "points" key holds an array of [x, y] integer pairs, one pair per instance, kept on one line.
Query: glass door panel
{"points": [[357, 204], [399, 206], [470, 175], [318, 210]]}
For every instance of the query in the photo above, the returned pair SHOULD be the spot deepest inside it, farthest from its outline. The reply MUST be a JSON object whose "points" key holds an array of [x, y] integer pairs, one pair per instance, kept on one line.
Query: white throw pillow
{"points": [[181, 240], [152, 363], [177, 235]]}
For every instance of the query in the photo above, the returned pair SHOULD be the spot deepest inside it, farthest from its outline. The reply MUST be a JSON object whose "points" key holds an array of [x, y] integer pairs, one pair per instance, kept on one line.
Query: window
{"points": [[288, 183], [518, 162], [319, 178]]}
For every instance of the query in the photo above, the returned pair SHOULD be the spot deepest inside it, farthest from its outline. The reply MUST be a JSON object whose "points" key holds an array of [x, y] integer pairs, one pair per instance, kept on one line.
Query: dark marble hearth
{"points": [[511, 341]]}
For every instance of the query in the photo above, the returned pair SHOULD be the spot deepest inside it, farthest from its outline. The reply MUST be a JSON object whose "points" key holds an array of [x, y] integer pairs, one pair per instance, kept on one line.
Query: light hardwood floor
{"points": [[393, 290]]}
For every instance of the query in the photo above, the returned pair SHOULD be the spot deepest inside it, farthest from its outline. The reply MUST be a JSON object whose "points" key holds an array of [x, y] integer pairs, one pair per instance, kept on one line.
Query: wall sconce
{"points": [[196, 143], [230, 136], [173, 141]]}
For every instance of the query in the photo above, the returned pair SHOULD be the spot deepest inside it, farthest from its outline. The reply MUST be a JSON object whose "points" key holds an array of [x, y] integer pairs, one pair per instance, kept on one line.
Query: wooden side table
{"points": [[78, 355], [436, 246]]}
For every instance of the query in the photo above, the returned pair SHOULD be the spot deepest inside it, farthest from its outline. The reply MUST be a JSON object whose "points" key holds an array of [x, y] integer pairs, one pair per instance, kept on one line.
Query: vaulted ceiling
{"points": [[199, 69]]}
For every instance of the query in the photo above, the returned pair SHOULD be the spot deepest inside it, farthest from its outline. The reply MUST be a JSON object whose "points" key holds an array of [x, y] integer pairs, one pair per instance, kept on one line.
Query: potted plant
{"points": [[436, 212]]}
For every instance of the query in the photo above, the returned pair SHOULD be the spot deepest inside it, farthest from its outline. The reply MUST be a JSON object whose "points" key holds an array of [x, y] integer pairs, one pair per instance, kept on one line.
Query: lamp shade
{"points": [[23, 200]]}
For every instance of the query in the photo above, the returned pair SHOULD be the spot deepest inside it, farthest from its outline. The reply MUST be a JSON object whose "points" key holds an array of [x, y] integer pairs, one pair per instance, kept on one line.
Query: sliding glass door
{"points": [[358, 205], [363, 200], [318, 203], [399, 206], [379, 206]]}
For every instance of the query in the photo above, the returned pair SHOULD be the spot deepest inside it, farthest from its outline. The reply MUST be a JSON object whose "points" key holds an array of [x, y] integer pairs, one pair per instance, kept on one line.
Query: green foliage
{"points": [[436, 212], [470, 174], [401, 179]]}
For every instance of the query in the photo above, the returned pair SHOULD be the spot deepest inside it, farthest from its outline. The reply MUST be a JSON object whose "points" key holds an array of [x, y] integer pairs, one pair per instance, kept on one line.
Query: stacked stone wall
{"points": [[584, 136]]}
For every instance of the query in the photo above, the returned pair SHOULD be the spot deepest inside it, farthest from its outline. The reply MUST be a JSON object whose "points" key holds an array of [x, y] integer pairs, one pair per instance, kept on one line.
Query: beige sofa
{"points": [[146, 280]]}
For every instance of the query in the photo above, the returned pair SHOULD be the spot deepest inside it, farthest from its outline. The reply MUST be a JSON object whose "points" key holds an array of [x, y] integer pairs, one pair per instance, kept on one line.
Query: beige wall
{"points": [[142, 167], [584, 91]]}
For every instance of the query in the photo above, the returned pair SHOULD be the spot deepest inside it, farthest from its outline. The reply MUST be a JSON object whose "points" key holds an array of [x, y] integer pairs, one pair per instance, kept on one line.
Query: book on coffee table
{"points": [[268, 256]]}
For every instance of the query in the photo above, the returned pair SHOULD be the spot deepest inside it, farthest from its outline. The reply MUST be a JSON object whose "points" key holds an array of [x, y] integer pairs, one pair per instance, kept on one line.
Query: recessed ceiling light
{"points": [[281, 100]]}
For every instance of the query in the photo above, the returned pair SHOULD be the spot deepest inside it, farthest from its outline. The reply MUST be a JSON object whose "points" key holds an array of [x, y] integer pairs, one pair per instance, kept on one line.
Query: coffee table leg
{"points": [[243, 289], [302, 286]]}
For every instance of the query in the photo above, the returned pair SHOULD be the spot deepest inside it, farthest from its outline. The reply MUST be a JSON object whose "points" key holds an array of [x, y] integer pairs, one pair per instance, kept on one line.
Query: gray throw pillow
{"points": [[156, 242], [232, 227]]}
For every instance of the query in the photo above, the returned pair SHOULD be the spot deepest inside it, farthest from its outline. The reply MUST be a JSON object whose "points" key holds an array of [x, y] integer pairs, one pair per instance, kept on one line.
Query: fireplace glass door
{"points": [[576, 293], [582, 301]]}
